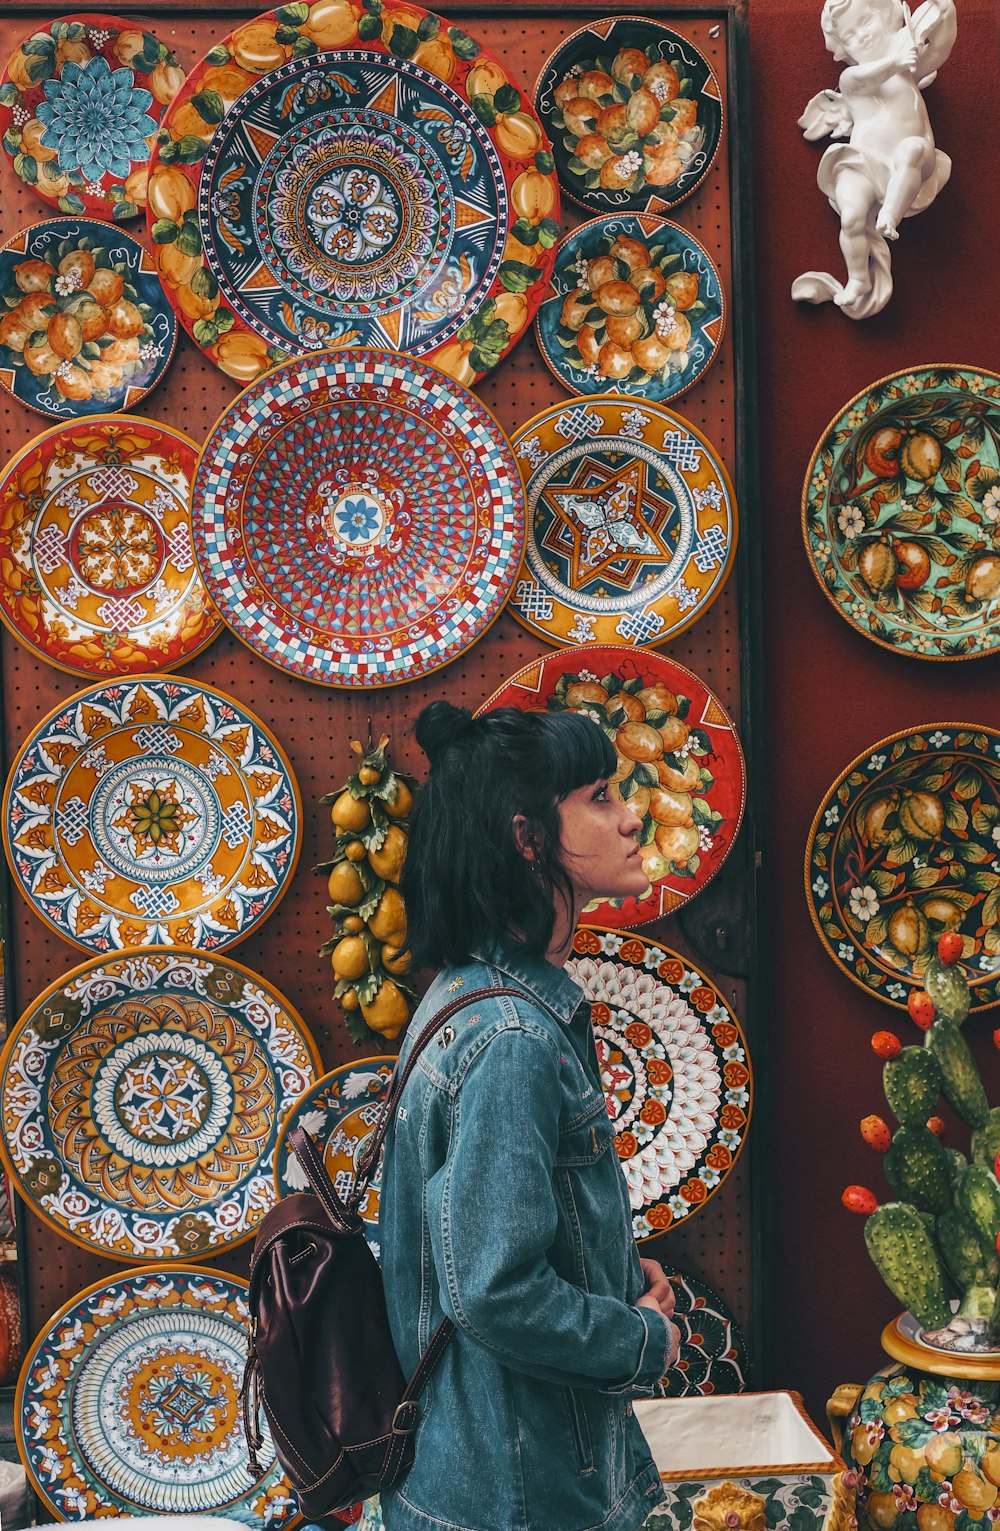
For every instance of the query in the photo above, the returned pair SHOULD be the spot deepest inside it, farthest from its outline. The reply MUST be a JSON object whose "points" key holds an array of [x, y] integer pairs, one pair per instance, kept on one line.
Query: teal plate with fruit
{"points": [[637, 307], [901, 512], [634, 113], [905, 848]]}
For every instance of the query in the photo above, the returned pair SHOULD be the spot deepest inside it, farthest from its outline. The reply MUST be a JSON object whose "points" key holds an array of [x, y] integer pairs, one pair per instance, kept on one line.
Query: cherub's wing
{"points": [[934, 26], [827, 114]]}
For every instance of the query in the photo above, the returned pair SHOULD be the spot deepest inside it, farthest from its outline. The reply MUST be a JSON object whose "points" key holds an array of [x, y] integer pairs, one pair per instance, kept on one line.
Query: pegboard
{"points": [[722, 1242]]}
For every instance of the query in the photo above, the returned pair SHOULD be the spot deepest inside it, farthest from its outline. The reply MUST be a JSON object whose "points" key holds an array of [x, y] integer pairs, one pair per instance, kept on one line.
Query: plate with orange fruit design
{"points": [[674, 1068], [337, 175], [680, 764], [86, 329], [636, 306], [635, 113]]}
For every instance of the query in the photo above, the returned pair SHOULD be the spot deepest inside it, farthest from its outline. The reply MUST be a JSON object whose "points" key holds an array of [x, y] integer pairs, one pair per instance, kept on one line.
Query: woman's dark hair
{"points": [[466, 881]]}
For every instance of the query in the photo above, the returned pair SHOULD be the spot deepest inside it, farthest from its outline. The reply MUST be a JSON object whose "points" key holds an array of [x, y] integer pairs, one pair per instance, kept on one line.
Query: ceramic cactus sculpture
{"points": [[939, 1238]]}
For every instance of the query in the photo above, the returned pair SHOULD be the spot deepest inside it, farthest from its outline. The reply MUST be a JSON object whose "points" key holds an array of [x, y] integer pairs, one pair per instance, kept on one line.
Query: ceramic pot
{"points": [[922, 1438]]}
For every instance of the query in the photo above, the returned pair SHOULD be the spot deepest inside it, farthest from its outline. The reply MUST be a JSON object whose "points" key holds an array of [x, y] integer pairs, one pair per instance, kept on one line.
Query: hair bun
{"points": [[441, 725]]}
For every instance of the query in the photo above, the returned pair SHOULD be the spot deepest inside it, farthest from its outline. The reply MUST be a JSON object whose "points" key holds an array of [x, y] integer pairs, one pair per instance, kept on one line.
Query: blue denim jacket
{"points": [[503, 1206]]}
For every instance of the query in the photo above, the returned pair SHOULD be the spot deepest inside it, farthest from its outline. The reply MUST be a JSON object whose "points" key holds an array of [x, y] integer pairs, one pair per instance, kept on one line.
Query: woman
{"points": [[503, 1204]]}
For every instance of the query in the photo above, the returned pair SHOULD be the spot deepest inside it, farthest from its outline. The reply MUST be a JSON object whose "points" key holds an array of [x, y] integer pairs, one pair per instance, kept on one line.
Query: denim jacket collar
{"points": [[551, 986]]}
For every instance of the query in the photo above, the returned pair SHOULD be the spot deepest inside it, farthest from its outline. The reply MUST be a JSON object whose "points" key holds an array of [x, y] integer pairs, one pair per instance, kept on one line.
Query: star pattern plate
{"points": [[675, 1071], [358, 518], [680, 764], [141, 1097], [95, 531], [86, 329], [336, 175], [80, 99], [631, 522], [128, 1403], [152, 811], [637, 307], [338, 1111]]}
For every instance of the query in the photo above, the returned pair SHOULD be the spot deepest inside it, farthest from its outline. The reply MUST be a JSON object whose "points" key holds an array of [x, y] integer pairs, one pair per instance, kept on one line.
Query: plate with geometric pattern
{"points": [[675, 1071], [713, 1354], [358, 518], [95, 539], [631, 522], [141, 1099], [128, 1403], [155, 810]]}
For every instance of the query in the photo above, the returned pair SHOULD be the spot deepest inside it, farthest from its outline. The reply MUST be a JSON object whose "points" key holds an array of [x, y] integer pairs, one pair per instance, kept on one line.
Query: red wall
{"points": [[829, 692]]}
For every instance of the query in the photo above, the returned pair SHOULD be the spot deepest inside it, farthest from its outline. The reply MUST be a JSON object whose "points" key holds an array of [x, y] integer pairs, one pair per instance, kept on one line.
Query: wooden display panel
{"points": [[722, 1242]]}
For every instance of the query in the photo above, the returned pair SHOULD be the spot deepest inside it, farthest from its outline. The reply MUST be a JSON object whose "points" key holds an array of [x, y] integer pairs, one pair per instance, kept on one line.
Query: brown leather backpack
{"points": [[320, 1359]]}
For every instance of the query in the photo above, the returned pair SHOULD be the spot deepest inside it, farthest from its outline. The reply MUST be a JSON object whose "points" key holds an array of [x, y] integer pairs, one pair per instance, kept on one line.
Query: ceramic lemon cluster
{"points": [[940, 1237], [368, 949]]}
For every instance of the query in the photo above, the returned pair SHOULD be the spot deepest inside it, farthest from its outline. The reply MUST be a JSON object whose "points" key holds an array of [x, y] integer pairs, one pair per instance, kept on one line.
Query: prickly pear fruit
{"points": [[996, 1037], [949, 947], [906, 1258], [912, 1084], [916, 1166], [986, 1139], [948, 989], [921, 1008], [960, 1081], [962, 1250], [936, 1125], [979, 1198], [858, 1198], [886, 1044], [876, 1133]]}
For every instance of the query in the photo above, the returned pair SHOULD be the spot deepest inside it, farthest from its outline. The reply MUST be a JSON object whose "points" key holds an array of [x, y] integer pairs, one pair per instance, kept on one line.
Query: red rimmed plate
{"points": [[98, 568], [680, 764]]}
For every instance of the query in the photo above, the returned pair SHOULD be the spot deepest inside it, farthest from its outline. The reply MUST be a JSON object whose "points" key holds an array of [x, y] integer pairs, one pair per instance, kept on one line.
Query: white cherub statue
{"points": [[889, 168]]}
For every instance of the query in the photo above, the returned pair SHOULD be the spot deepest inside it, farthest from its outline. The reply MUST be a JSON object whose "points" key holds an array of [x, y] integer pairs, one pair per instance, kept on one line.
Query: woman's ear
{"points": [[522, 838]]}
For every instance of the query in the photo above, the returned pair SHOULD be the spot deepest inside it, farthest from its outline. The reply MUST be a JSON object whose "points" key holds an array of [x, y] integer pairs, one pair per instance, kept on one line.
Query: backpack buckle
{"points": [[405, 1418]]}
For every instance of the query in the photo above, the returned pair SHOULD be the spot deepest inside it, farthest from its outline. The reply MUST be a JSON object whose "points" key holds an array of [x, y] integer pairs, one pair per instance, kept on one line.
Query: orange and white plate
{"points": [[97, 567], [680, 764]]}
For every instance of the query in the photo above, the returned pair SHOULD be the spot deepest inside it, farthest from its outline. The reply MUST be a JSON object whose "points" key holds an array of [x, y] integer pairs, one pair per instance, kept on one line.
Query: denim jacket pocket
{"points": [[587, 1173]]}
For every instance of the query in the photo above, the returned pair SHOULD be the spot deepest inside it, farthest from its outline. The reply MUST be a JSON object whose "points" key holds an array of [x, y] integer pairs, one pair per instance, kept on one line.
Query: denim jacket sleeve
{"points": [[493, 1213]]}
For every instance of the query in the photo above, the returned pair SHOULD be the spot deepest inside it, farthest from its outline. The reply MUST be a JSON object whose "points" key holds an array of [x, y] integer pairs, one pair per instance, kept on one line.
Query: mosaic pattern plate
{"points": [[906, 845], [97, 563], [340, 175], [128, 1403], [634, 111], [358, 518], [79, 103], [152, 811], [901, 512], [339, 1112], [675, 1071], [631, 522], [86, 329], [713, 1355], [680, 764], [636, 307], [141, 1097]]}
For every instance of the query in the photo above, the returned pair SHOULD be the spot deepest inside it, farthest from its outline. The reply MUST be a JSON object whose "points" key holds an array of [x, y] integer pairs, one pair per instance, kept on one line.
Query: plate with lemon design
{"points": [[341, 175], [680, 763]]}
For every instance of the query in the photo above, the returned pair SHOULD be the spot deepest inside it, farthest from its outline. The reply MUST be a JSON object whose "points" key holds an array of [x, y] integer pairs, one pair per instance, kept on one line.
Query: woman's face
{"points": [[600, 846]]}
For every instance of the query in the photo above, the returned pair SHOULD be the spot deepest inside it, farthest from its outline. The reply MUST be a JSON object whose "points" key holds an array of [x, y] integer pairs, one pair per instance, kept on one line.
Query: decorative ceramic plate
{"points": [[155, 810], [338, 1111], [341, 175], [713, 1355], [79, 103], [631, 522], [634, 111], [680, 765], [675, 1072], [141, 1097], [358, 518], [91, 293], [637, 307], [95, 544], [128, 1402], [901, 512], [905, 845]]}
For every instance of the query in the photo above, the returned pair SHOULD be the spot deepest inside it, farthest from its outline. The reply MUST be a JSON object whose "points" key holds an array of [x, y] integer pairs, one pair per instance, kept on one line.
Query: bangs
{"points": [[578, 752]]}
